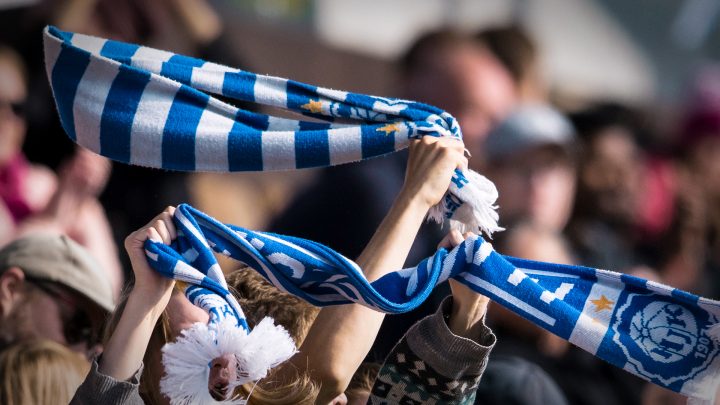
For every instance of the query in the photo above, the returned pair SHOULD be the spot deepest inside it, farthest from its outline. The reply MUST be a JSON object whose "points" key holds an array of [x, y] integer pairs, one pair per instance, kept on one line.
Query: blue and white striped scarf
{"points": [[148, 107]]}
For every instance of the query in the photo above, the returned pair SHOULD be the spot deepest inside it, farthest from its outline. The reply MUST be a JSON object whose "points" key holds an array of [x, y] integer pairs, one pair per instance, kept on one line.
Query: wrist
{"points": [[413, 200], [466, 318], [149, 301]]}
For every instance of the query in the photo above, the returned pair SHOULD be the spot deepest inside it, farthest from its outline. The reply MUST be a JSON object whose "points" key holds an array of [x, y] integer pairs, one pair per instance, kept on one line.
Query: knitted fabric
{"points": [[662, 334], [148, 107]]}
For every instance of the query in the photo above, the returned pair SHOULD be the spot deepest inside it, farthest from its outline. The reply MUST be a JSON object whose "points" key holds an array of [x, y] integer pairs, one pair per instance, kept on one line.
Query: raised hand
{"points": [[430, 167]]}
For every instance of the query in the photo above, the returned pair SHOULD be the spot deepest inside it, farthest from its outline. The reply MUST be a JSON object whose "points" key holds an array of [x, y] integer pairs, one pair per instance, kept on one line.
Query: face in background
{"points": [[12, 97], [704, 160], [469, 83], [610, 178], [40, 309], [537, 184], [223, 371]]}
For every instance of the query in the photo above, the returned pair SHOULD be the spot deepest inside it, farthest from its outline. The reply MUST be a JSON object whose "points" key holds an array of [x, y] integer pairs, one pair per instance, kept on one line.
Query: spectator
{"points": [[445, 69], [611, 186], [463, 77], [33, 198], [531, 159], [693, 242], [39, 372], [51, 288], [26, 188]]}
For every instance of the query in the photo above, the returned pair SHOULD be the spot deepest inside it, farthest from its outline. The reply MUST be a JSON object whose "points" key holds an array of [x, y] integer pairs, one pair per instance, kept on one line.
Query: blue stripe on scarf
{"points": [[376, 143], [180, 68], [119, 51], [244, 148], [178, 147], [120, 107], [66, 76], [311, 147], [239, 85]]}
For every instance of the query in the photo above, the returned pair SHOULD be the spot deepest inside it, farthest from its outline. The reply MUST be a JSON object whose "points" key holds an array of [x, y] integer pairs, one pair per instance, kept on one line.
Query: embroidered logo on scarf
{"points": [[661, 335]]}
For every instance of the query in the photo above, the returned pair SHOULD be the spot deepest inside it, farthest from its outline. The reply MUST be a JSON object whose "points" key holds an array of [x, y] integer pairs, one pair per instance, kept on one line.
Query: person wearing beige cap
{"points": [[52, 288], [531, 158]]}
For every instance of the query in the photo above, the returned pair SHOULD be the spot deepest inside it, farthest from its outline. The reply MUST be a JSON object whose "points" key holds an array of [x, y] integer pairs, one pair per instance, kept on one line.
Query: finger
{"points": [[169, 223], [414, 143], [452, 239], [469, 235], [162, 230], [445, 242], [463, 164], [170, 226], [453, 143], [456, 237], [152, 234], [429, 140]]}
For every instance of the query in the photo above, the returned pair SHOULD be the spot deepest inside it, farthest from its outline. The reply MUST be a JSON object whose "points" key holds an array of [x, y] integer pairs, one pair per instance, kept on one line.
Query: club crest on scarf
{"points": [[657, 335]]}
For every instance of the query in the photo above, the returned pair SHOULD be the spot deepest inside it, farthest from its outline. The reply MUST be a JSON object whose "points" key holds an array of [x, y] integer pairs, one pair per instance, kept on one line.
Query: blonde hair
{"points": [[258, 299], [40, 372], [362, 381]]}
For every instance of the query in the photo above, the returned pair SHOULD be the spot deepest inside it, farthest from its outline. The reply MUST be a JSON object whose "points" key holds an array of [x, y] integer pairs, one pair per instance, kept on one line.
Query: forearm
{"points": [[468, 311], [391, 243], [126, 347], [342, 335]]}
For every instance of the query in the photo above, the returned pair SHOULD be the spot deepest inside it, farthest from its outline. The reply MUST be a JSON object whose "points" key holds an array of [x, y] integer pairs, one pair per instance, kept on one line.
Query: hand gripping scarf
{"points": [[148, 107]]}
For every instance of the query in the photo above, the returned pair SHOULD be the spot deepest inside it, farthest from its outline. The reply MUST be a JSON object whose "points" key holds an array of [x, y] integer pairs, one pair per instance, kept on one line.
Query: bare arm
{"points": [[341, 336], [468, 307], [126, 347]]}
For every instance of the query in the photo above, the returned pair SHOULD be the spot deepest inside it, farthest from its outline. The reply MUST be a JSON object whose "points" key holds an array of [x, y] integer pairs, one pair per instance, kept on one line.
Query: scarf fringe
{"points": [[186, 361], [472, 206]]}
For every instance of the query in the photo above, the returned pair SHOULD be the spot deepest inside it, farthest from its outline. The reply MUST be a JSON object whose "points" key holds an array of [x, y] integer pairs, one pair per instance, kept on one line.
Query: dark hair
{"points": [[513, 47], [592, 120], [427, 44]]}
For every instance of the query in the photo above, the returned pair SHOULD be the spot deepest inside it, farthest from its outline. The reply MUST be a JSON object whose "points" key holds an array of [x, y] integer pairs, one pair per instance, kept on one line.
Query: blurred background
{"points": [[599, 121]]}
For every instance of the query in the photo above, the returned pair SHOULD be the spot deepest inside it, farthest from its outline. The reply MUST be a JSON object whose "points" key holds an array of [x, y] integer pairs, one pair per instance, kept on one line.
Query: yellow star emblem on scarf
{"points": [[389, 129], [314, 106], [602, 303]]}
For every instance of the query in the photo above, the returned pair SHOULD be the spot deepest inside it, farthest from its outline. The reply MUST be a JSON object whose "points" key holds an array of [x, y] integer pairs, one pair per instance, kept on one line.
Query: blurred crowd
{"points": [[591, 182]]}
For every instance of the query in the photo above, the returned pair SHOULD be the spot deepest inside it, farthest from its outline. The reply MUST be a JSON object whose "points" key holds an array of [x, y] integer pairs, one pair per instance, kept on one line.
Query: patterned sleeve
{"points": [[99, 388], [431, 365]]}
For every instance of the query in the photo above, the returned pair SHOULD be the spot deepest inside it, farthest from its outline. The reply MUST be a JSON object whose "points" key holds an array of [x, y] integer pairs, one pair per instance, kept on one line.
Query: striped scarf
{"points": [[153, 108], [662, 334]]}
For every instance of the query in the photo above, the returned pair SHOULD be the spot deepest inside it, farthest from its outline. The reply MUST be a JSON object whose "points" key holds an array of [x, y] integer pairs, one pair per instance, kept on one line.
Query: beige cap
{"points": [[59, 259]]}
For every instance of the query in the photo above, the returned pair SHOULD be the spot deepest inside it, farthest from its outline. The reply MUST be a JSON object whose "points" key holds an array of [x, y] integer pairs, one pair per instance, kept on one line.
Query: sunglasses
{"points": [[77, 323], [17, 107]]}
